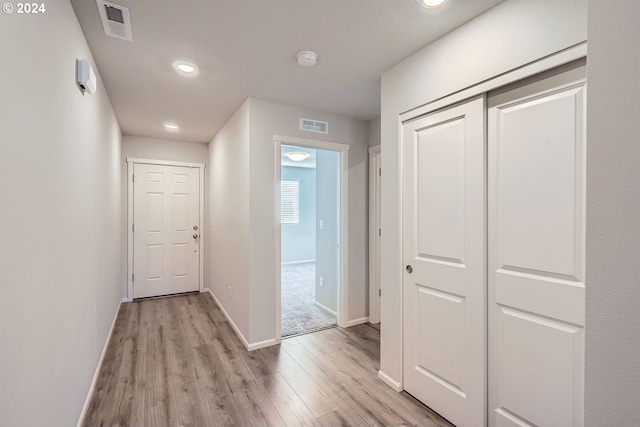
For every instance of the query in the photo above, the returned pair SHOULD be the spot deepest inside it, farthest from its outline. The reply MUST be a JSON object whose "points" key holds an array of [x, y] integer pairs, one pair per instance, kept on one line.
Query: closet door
{"points": [[444, 254], [536, 211]]}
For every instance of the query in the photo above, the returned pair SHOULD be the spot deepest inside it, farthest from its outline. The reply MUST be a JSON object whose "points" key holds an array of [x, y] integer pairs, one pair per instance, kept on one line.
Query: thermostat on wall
{"points": [[85, 75]]}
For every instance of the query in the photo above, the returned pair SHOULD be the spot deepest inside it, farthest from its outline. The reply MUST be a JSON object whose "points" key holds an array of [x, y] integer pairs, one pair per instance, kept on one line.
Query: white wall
{"points": [[510, 35], [613, 212], [298, 242], [59, 221], [327, 237], [155, 149], [227, 259], [267, 119], [374, 131]]}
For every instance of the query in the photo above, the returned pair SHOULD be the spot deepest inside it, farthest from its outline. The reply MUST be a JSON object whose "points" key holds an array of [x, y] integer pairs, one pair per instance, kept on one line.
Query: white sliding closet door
{"points": [[444, 251], [536, 212]]}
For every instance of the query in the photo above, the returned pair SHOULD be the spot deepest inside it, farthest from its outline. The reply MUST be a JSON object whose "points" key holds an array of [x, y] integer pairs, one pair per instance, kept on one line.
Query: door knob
{"points": [[195, 227], [409, 269], [195, 236]]}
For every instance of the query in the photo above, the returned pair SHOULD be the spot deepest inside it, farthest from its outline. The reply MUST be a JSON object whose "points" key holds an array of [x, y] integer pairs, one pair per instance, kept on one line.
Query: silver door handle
{"points": [[195, 236], [195, 227], [409, 269]]}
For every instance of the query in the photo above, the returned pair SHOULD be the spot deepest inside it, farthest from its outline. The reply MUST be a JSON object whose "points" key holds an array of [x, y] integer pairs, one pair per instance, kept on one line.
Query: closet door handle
{"points": [[409, 269]]}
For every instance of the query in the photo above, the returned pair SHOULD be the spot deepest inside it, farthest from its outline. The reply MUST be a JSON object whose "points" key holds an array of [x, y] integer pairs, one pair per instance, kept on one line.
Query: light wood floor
{"points": [[177, 362]]}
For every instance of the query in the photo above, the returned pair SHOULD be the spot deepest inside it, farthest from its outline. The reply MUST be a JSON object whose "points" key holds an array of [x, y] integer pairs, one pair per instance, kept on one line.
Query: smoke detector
{"points": [[306, 58]]}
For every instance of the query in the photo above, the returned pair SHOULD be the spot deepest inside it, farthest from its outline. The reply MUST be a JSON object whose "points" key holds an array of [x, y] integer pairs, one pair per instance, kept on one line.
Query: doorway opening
{"points": [[310, 236]]}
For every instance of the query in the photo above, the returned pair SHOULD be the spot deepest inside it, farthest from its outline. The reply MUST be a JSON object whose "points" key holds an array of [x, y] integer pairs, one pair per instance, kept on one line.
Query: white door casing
{"points": [[375, 177], [444, 243], [536, 233], [166, 230]]}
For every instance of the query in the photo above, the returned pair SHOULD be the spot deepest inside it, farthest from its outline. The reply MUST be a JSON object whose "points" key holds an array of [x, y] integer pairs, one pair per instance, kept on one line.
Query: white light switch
{"points": [[213, 224], [322, 282], [322, 224]]}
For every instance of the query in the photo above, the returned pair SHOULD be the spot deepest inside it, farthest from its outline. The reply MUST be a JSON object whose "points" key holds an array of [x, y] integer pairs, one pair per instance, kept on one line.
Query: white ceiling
{"points": [[248, 48]]}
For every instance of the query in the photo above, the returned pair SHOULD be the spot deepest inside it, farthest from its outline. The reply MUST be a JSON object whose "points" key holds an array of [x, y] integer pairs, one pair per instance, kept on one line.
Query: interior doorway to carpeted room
{"points": [[310, 224]]}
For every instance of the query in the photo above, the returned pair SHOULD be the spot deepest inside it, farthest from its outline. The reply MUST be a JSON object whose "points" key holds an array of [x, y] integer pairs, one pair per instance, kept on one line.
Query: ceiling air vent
{"points": [[310, 125], [115, 20]]}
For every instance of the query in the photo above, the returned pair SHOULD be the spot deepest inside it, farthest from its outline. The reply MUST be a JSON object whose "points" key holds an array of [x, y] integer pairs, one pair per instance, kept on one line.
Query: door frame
{"points": [[343, 227], [131, 162], [375, 233]]}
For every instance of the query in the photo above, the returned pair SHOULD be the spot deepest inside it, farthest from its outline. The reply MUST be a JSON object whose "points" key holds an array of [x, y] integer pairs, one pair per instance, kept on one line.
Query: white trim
{"points": [[129, 233], [304, 261], [543, 64], [343, 265], [278, 241], [374, 235], [326, 309], [343, 256], [390, 381], [262, 344], [375, 148], [165, 163], [131, 162], [94, 381], [229, 319], [355, 322], [310, 143], [247, 345]]}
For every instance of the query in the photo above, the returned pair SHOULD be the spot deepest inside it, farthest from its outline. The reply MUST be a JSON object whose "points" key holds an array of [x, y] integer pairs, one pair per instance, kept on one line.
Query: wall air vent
{"points": [[115, 20], [310, 125]]}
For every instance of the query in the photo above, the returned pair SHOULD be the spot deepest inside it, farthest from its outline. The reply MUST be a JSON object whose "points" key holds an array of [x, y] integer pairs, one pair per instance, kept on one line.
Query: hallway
{"points": [[176, 361]]}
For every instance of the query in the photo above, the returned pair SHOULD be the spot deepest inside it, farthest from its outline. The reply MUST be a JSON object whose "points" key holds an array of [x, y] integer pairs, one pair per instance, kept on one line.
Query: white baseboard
{"points": [[355, 322], [304, 261], [325, 308], [390, 381], [247, 345], [92, 387], [262, 344], [229, 319]]}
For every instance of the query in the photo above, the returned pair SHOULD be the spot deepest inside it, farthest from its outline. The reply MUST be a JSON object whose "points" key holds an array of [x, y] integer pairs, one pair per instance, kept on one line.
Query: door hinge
{"points": [[133, 277], [133, 178], [379, 231], [379, 171], [379, 292], [133, 228]]}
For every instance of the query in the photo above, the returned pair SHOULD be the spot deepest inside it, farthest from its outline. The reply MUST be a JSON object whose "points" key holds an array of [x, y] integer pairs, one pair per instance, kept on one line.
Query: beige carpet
{"points": [[299, 313]]}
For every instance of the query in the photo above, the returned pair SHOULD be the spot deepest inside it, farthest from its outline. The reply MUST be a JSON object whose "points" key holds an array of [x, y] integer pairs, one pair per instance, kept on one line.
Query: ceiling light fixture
{"points": [[297, 156], [306, 58], [171, 126], [185, 67], [431, 4]]}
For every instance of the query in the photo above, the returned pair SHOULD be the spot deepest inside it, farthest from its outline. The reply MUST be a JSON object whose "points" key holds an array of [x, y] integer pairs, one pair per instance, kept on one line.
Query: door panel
{"points": [[166, 209], [536, 250], [444, 296]]}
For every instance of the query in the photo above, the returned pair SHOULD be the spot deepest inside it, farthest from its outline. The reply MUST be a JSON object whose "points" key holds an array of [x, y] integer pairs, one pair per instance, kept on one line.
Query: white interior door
{"points": [[444, 246], [536, 250], [166, 234]]}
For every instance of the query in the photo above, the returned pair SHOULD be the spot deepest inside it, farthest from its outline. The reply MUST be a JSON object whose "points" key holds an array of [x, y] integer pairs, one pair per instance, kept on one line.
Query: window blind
{"points": [[289, 201]]}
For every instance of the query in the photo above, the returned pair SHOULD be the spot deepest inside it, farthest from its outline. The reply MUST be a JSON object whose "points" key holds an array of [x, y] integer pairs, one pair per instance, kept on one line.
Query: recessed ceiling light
{"points": [[185, 67], [431, 4], [297, 156], [171, 126]]}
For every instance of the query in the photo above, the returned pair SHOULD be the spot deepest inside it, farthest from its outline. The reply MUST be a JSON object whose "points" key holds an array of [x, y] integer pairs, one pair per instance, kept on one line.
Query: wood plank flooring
{"points": [[176, 362]]}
